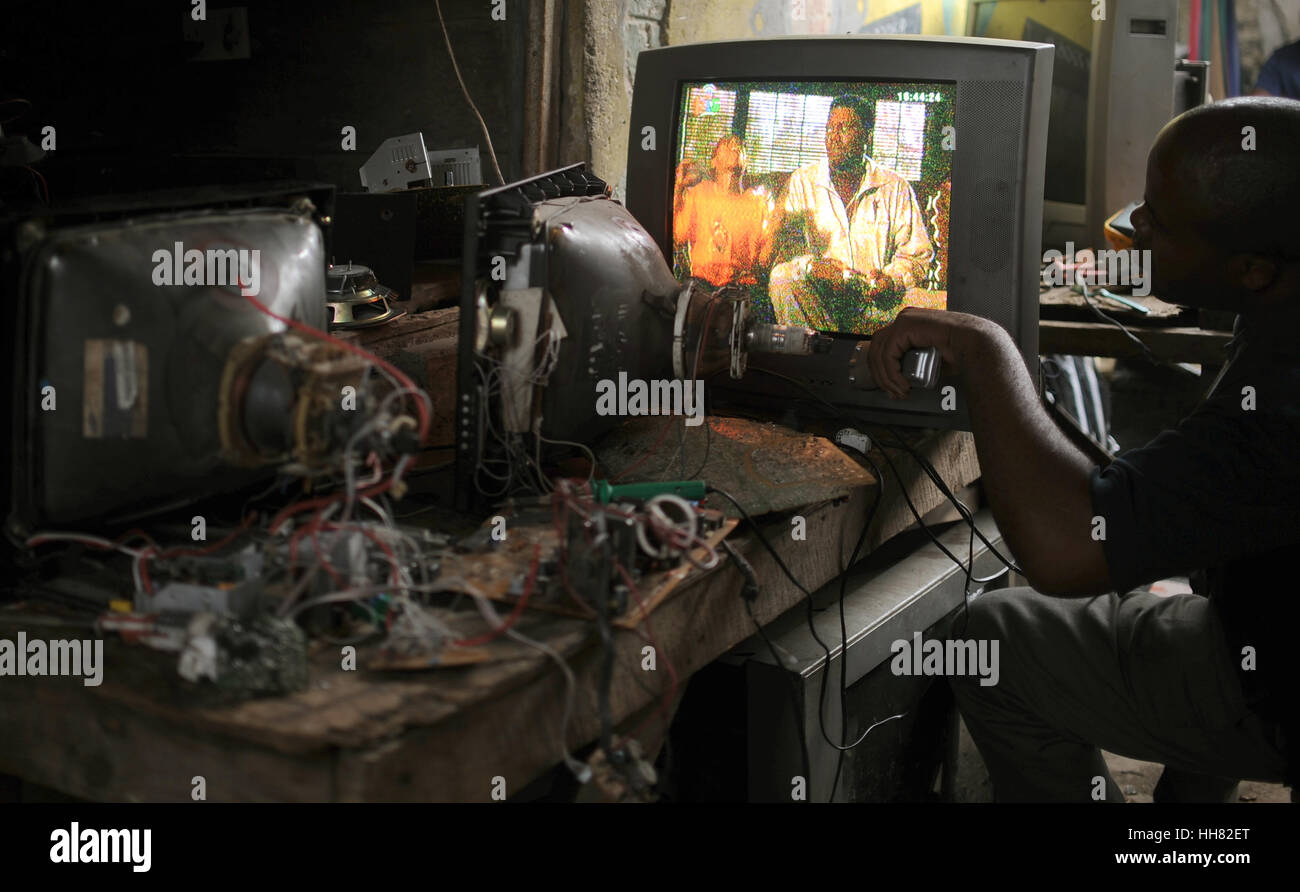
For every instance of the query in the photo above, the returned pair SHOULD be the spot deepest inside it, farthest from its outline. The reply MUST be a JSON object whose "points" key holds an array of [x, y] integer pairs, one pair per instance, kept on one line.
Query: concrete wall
{"points": [[597, 102], [618, 30]]}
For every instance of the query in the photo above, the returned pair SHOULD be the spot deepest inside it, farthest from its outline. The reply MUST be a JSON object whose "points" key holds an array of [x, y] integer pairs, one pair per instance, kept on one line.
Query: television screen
{"points": [[828, 201]]}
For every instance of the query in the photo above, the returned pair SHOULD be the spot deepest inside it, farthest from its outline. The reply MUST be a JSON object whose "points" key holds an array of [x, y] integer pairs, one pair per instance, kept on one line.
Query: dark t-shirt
{"points": [[1220, 494], [1281, 73]]}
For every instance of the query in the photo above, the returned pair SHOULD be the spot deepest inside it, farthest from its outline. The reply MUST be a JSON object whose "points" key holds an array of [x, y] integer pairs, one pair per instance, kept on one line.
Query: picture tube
{"points": [[828, 201]]}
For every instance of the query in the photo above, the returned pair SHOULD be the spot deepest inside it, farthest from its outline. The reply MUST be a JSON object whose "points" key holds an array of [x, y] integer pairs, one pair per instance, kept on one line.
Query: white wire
{"points": [[487, 137], [464, 586], [377, 419], [591, 456], [136, 554], [489, 613], [491, 385], [378, 509], [83, 538]]}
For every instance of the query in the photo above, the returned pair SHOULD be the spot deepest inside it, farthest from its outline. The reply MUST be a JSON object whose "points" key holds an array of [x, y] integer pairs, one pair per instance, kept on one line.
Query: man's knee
{"points": [[1002, 615], [985, 621], [1002, 622]]}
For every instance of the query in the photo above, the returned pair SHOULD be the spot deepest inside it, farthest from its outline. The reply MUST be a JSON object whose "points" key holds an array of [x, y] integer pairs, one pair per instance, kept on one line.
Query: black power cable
{"points": [[957, 503], [837, 414], [844, 628], [967, 567], [748, 595], [808, 601]]}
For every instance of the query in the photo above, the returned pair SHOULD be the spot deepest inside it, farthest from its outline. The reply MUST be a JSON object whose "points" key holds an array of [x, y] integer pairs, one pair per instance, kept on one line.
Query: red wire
{"points": [[298, 507], [397, 373], [208, 549], [642, 460], [393, 566], [421, 408], [293, 542], [561, 498], [314, 526], [671, 693], [514, 614], [44, 185], [699, 350], [144, 570], [134, 532], [559, 519], [148, 553]]}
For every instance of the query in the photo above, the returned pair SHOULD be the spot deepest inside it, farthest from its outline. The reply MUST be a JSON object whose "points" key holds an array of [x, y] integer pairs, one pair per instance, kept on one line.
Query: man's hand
{"points": [[871, 283], [828, 269], [875, 283], [956, 335], [1036, 481]]}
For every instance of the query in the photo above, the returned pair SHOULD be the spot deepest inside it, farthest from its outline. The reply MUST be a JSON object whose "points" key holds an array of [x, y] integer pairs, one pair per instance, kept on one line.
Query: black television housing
{"points": [[1002, 95], [80, 275]]}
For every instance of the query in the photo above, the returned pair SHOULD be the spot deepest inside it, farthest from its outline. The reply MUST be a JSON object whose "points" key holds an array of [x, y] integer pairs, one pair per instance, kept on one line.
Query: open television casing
{"points": [[1002, 94], [136, 367]]}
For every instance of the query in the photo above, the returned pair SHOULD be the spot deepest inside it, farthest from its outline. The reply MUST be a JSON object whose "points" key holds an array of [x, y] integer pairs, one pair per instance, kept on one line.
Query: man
{"points": [[1206, 687], [1280, 75], [727, 230], [865, 238]]}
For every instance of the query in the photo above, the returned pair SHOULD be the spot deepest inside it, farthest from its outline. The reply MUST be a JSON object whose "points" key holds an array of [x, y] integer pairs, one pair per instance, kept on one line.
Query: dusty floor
{"points": [[1138, 779]]}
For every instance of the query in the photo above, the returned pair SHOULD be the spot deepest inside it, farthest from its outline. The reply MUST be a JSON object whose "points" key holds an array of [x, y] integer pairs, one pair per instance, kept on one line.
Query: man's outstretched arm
{"points": [[1037, 482]]}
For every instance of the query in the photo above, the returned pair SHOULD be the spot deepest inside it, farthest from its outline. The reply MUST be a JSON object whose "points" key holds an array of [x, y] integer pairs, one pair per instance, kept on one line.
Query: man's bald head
{"points": [[1237, 163], [1220, 210]]}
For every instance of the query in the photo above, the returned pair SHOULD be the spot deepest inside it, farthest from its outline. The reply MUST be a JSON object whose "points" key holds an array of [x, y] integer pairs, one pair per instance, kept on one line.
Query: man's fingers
{"points": [[884, 357], [897, 346]]}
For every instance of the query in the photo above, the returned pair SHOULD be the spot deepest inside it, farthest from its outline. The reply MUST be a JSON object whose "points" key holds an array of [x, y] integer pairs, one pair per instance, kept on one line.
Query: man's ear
{"points": [[1254, 272]]}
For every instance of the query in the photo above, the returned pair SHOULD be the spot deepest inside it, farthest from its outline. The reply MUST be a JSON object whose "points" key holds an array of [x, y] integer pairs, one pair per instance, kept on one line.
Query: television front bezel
{"points": [[966, 63]]}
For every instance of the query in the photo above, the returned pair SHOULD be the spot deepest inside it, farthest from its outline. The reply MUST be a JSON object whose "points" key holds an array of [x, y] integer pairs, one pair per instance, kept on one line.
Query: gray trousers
{"points": [[1142, 676]]}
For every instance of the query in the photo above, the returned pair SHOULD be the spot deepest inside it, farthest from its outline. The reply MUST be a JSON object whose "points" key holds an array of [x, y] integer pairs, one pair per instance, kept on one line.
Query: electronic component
{"points": [[356, 299], [579, 296], [454, 167], [921, 367], [402, 162], [202, 584], [398, 163], [791, 263], [183, 382]]}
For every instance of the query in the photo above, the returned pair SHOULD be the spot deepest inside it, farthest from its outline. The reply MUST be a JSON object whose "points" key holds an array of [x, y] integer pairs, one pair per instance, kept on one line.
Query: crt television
{"points": [[731, 172], [1069, 26]]}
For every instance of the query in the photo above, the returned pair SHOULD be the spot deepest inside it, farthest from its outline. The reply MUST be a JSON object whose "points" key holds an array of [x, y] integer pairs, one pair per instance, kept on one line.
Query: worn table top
{"points": [[453, 734]]}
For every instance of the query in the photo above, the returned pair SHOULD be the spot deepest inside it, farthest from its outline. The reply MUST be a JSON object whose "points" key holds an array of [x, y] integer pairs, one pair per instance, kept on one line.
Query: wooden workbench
{"points": [[447, 734], [1174, 334]]}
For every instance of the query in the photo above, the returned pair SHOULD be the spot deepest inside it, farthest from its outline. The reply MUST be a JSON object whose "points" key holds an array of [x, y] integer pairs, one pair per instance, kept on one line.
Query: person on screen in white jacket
{"points": [[865, 241]]}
